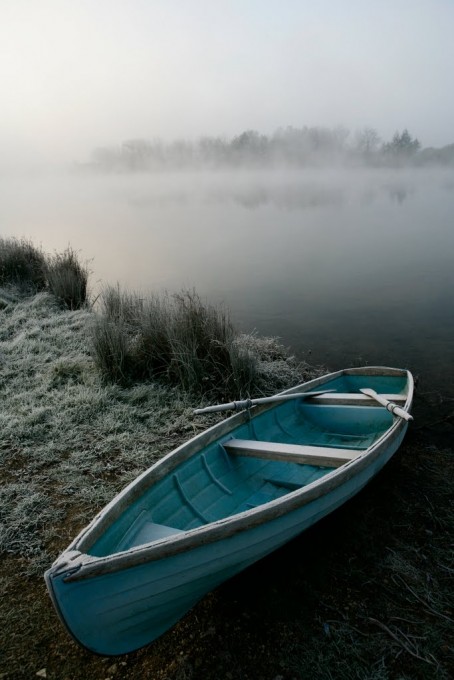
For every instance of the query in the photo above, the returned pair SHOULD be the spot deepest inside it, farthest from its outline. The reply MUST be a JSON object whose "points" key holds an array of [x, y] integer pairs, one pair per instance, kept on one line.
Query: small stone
{"points": [[42, 673], [112, 669]]}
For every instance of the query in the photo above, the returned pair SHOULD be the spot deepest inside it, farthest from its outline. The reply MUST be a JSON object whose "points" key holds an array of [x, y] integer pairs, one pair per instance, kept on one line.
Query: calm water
{"points": [[354, 266]]}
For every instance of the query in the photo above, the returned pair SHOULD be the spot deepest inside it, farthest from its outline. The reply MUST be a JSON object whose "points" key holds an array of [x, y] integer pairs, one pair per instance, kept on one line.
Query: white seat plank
{"points": [[353, 399], [293, 453]]}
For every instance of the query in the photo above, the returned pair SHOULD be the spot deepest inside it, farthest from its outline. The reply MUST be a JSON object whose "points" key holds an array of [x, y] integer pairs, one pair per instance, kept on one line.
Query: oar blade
{"points": [[392, 408]]}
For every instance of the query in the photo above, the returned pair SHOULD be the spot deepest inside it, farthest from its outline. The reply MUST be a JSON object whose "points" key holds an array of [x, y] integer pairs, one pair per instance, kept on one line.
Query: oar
{"points": [[392, 408], [247, 403]]}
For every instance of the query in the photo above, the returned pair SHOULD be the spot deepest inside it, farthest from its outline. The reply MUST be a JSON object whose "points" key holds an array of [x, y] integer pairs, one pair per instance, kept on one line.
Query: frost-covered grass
{"points": [[70, 439]]}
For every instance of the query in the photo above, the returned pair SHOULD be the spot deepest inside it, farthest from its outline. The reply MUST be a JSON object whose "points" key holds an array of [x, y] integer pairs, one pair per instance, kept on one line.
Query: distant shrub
{"points": [[67, 279], [21, 265], [175, 338]]}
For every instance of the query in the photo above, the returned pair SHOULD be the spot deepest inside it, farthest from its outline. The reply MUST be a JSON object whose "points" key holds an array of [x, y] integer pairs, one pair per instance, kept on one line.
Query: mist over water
{"points": [[353, 265]]}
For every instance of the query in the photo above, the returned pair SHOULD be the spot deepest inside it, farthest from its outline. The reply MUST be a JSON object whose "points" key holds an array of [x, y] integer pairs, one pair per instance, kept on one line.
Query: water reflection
{"points": [[287, 192]]}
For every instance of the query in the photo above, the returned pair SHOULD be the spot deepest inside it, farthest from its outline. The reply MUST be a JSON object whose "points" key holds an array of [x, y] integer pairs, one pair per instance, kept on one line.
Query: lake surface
{"points": [[354, 266]]}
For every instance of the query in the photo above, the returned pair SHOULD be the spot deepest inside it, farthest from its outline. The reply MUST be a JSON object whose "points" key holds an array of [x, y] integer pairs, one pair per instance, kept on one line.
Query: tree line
{"points": [[290, 146]]}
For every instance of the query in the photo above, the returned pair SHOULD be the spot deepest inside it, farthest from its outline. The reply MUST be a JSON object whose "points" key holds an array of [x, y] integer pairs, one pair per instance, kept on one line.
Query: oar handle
{"points": [[233, 405], [248, 403]]}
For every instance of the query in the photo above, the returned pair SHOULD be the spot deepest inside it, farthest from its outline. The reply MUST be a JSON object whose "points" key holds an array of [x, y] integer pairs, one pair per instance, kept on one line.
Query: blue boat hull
{"points": [[113, 603]]}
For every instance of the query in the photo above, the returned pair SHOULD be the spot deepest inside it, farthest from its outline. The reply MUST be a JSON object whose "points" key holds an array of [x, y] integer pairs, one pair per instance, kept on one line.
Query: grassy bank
{"points": [[181, 340], [364, 595]]}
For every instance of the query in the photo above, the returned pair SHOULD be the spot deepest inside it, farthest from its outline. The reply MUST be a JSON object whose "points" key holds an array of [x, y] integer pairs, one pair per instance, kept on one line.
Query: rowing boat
{"points": [[223, 500]]}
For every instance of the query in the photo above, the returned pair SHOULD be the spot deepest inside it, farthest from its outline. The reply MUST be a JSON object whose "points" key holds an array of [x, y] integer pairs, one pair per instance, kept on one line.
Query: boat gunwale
{"points": [[82, 565]]}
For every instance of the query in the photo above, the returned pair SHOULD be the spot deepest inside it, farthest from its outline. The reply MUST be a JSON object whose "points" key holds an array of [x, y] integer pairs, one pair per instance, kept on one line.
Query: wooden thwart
{"points": [[291, 453], [353, 399]]}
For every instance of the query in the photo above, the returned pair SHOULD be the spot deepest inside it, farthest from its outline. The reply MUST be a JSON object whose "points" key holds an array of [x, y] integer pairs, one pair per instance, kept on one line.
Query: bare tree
{"points": [[367, 141]]}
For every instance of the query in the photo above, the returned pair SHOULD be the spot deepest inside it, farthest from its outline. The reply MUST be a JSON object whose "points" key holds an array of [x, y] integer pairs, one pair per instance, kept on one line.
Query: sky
{"points": [[80, 74]]}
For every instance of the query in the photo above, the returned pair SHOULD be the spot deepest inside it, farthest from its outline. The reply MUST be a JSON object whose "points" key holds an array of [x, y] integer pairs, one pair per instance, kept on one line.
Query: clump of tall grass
{"points": [[110, 349], [22, 265], [28, 270], [178, 339], [67, 279], [198, 341]]}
